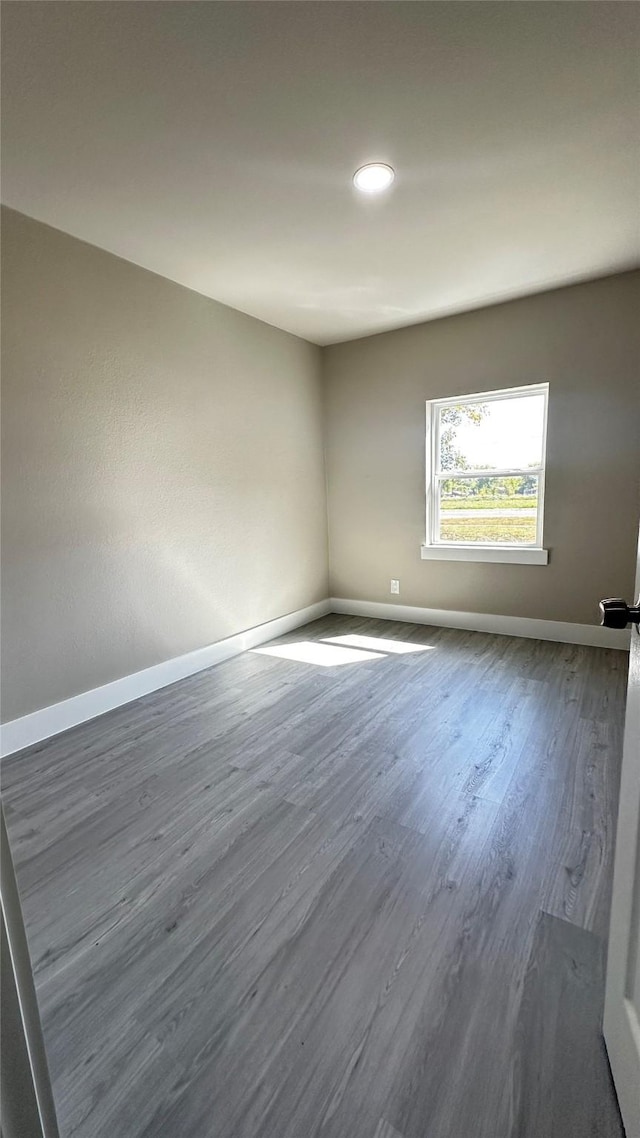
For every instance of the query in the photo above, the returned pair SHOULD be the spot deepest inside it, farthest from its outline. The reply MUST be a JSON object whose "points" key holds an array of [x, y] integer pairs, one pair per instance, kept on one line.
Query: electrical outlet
{"points": [[395, 586]]}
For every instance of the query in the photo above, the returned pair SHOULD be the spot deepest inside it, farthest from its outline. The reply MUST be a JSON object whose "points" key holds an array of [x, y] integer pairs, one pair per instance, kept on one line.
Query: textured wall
{"points": [[162, 469], [584, 341]]}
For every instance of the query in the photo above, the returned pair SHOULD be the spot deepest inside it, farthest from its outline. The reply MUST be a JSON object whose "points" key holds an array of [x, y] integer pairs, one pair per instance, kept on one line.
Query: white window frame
{"points": [[521, 553]]}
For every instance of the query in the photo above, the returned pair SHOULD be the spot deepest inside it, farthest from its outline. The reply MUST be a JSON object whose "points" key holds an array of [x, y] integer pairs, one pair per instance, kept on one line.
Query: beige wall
{"points": [[162, 469], [583, 340], [162, 465]]}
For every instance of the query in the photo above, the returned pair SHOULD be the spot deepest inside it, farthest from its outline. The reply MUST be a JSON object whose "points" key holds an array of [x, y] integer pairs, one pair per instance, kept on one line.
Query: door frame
{"points": [[621, 1023]]}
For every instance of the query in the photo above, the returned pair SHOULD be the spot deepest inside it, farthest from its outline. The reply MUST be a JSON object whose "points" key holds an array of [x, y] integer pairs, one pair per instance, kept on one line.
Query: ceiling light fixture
{"points": [[373, 178]]}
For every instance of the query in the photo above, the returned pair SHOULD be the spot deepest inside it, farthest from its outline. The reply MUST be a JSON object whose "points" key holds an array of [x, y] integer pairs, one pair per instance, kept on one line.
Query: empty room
{"points": [[320, 569]]}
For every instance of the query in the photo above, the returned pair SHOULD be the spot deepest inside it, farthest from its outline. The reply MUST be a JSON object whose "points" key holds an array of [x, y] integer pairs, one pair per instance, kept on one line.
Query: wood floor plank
{"points": [[470, 1005], [356, 1036], [281, 899], [563, 1082], [579, 878], [386, 1130]]}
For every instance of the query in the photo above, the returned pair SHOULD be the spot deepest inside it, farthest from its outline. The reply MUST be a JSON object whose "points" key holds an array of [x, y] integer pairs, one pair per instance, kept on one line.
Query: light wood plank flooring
{"points": [[322, 894]]}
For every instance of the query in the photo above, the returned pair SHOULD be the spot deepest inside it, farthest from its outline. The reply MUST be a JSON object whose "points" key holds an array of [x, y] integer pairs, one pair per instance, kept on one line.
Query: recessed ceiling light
{"points": [[373, 178]]}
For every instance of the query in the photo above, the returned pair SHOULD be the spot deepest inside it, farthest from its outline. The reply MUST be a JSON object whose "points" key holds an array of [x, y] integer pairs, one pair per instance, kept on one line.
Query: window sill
{"points": [[507, 555]]}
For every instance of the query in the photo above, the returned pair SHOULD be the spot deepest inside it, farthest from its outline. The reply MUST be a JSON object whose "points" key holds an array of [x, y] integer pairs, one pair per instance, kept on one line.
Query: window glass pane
{"points": [[502, 433], [489, 510]]}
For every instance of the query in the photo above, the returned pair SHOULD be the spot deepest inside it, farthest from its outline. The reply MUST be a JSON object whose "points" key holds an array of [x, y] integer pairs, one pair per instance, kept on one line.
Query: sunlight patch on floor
{"points": [[314, 652], [378, 644]]}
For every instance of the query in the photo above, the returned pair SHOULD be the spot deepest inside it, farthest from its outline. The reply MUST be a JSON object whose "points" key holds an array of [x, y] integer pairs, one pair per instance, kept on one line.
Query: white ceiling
{"points": [[215, 143]]}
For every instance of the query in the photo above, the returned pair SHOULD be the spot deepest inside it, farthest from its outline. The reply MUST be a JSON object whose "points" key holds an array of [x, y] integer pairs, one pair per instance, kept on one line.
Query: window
{"points": [[485, 476]]}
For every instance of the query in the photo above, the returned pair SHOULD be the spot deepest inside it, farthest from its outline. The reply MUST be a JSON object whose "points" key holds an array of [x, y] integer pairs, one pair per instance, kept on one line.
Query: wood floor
{"points": [[349, 896]]}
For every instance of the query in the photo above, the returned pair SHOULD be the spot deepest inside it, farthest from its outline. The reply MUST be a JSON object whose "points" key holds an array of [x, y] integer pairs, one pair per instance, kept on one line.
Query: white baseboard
{"points": [[590, 634], [48, 721], [39, 725]]}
